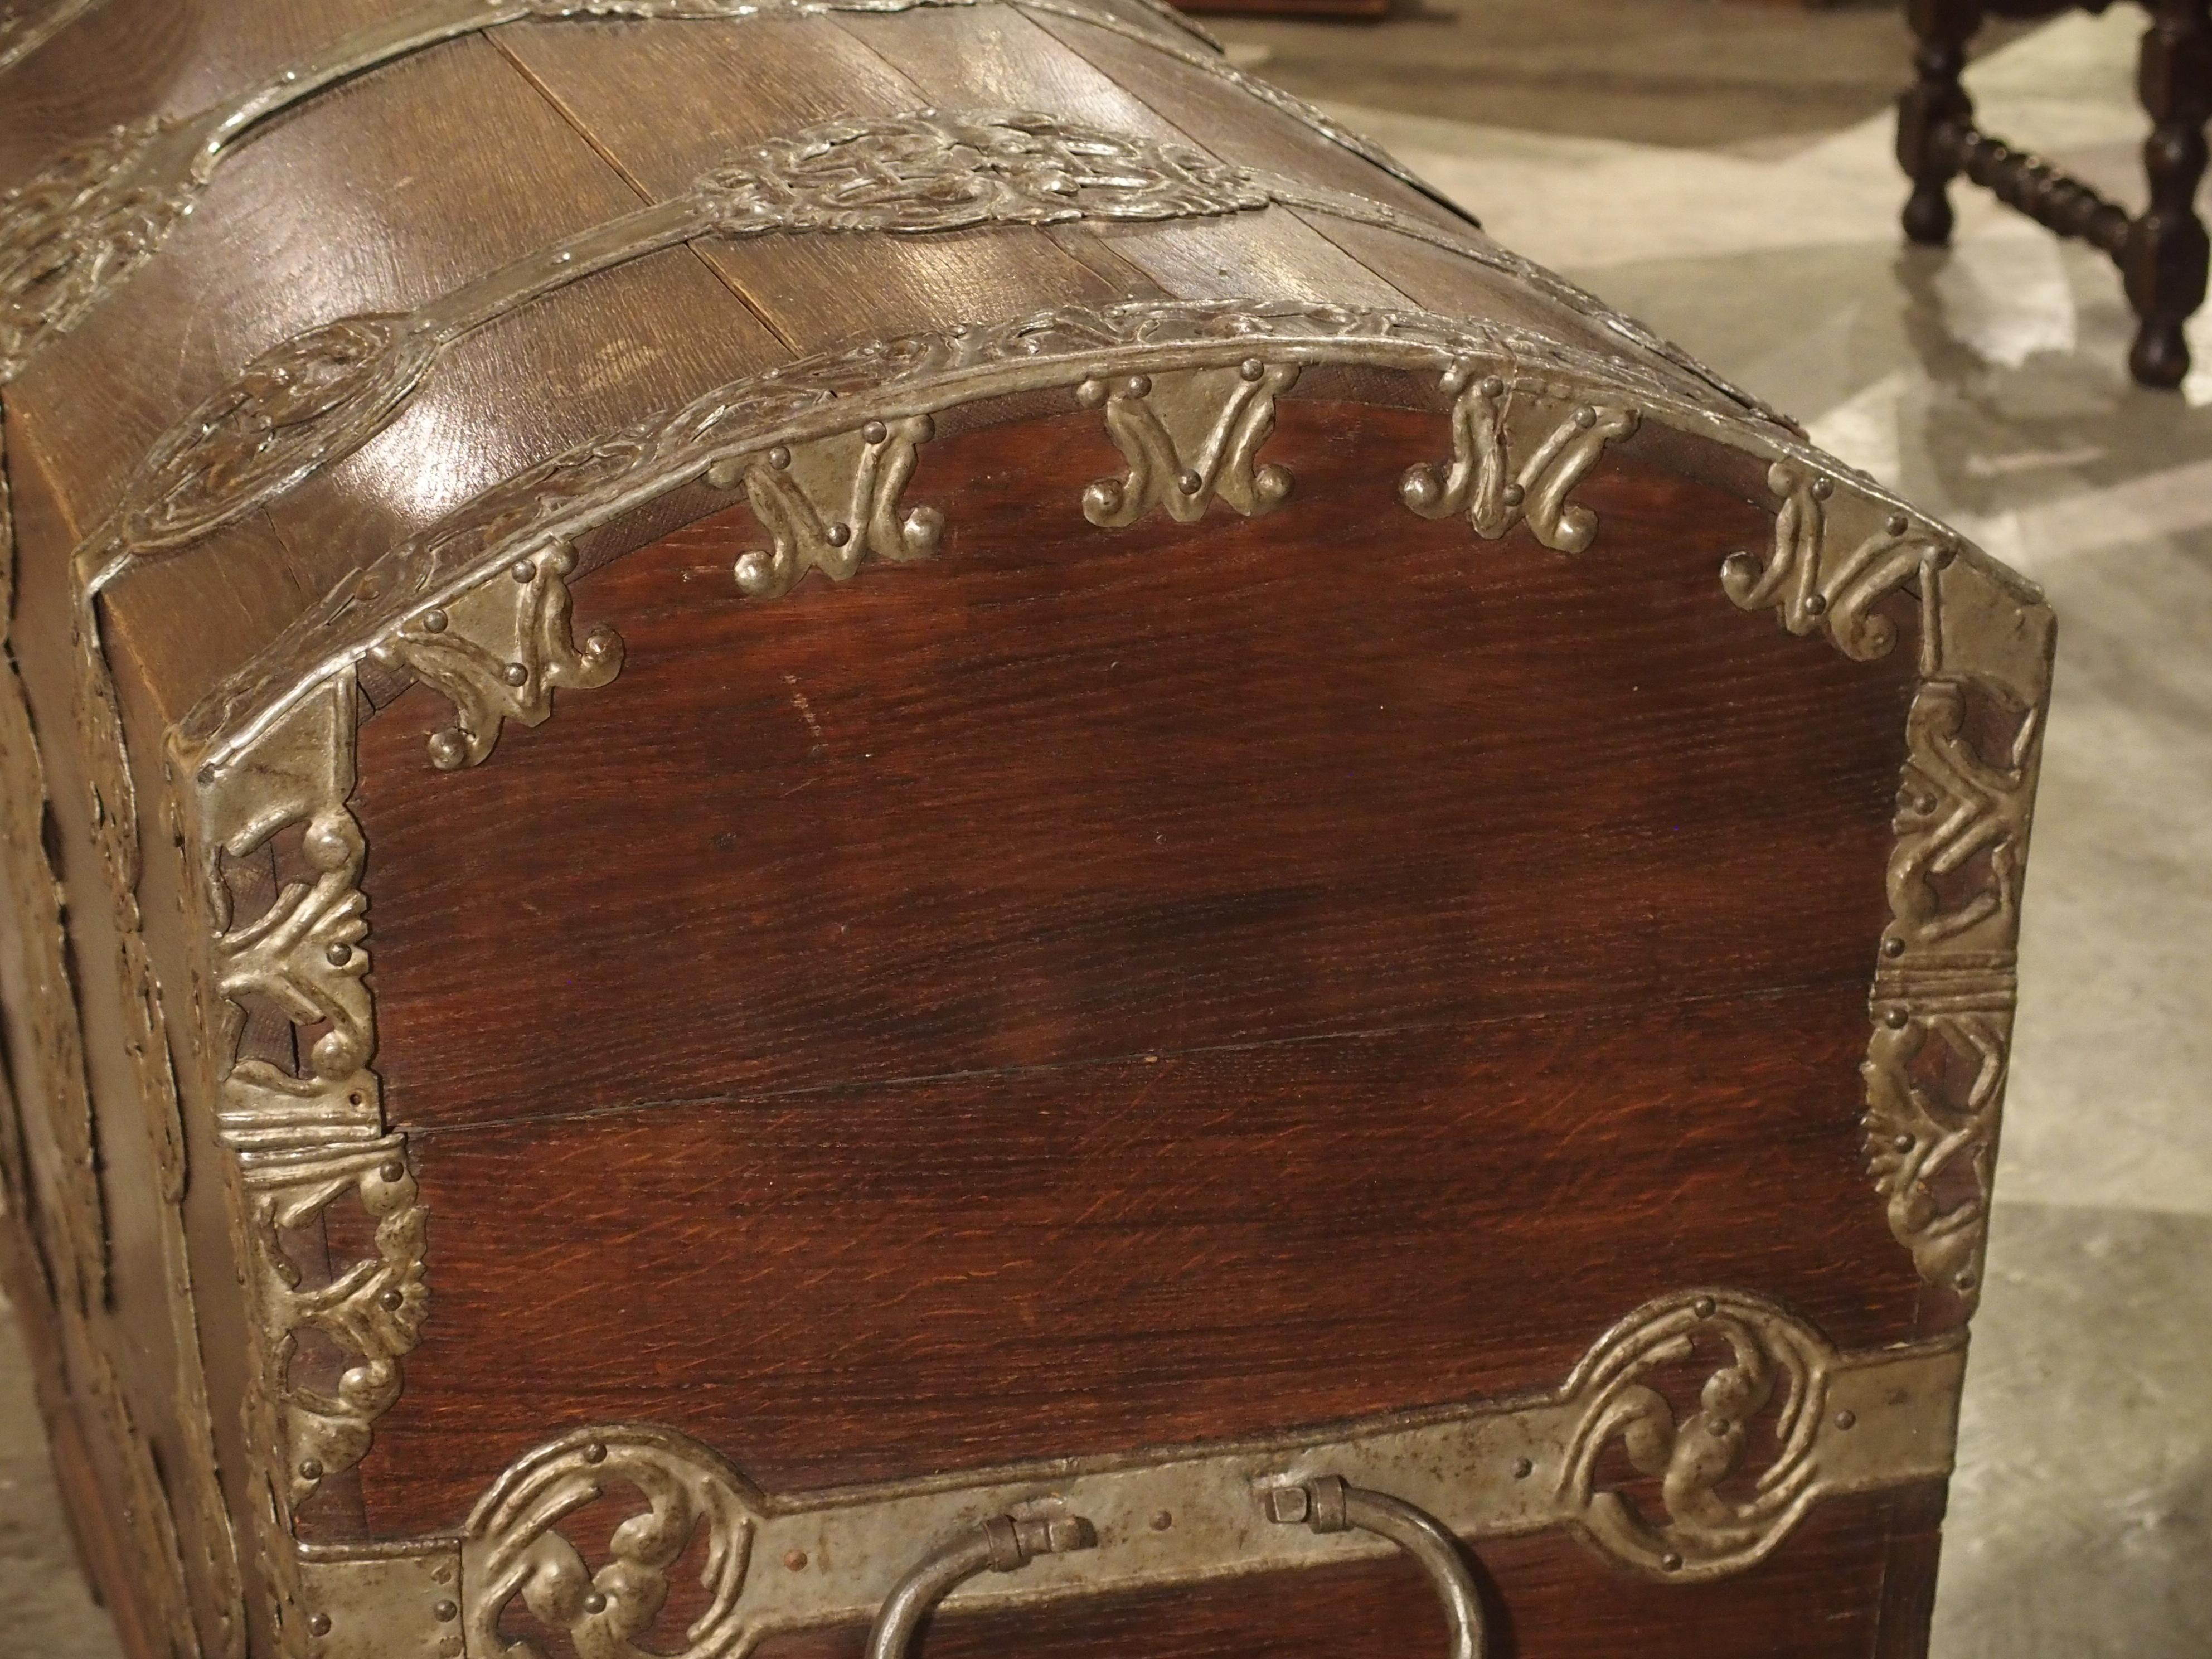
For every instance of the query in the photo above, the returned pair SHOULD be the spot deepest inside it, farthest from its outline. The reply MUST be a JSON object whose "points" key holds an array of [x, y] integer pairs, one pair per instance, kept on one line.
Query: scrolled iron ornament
{"points": [[499, 653], [1771, 1361], [513, 1547], [1190, 439], [1811, 592], [869, 468], [1482, 481]]}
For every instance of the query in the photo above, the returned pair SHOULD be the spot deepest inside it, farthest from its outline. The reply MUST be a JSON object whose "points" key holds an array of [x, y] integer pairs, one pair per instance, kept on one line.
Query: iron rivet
{"points": [[1251, 368], [594, 1452], [319, 1625], [1513, 495], [392, 1301], [1189, 484], [1892, 946], [1847, 1419], [522, 570], [795, 1560], [595, 1601], [839, 534], [1965, 1281], [515, 674], [1816, 604], [1523, 1469], [874, 432], [1493, 386], [1671, 1561], [1823, 487], [1163, 1519], [1138, 386], [779, 458], [1898, 524], [434, 621], [1943, 558], [1586, 417], [1703, 1307], [1903, 1143], [445, 1612], [449, 749], [337, 954], [310, 1469], [1896, 1019]]}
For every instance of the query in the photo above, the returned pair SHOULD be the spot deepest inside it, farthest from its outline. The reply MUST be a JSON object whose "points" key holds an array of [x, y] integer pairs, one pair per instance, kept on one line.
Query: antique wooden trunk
{"points": [[894, 825]]}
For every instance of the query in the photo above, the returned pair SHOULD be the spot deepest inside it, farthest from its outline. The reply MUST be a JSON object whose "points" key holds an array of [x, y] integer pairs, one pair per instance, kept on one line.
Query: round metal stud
{"points": [[1189, 484], [392, 1169], [1586, 417], [1892, 946], [839, 534], [1847, 1419], [1163, 1519], [795, 1560], [1816, 604], [1903, 1143], [1671, 1561], [1898, 524], [594, 1452], [874, 432], [318, 1624], [1251, 369], [337, 954], [310, 1469], [1896, 1018], [449, 750], [1493, 386], [1513, 495], [515, 674], [1703, 1307], [1137, 386], [1965, 1281], [522, 570], [779, 458], [1823, 487], [595, 1601], [392, 1300], [433, 621], [1523, 1469], [445, 1612]]}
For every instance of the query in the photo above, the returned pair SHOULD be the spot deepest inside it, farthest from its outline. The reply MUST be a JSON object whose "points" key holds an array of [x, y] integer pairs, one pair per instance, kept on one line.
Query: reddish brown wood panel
{"points": [[1068, 794]]}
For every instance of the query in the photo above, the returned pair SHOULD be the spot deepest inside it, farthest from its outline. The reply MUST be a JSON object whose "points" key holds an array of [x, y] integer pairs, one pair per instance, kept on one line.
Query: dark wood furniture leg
{"points": [[1937, 106], [2165, 261]]}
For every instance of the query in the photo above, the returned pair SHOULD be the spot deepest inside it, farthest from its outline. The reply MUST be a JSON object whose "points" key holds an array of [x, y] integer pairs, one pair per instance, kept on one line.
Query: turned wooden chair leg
{"points": [[2166, 259], [1936, 101]]}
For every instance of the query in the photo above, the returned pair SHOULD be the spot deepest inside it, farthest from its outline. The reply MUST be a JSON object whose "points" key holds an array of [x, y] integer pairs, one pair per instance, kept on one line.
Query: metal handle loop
{"points": [[1005, 1543], [1327, 1505]]}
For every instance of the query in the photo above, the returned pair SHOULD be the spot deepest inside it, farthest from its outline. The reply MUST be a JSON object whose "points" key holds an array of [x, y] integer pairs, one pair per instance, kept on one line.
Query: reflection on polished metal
{"points": [[1945, 981], [93, 216], [1480, 480], [895, 380], [313, 399], [867, 468], [1189, 438], [1004, 1543], [1853, 1423], [26, 25], [1327, 1505]]}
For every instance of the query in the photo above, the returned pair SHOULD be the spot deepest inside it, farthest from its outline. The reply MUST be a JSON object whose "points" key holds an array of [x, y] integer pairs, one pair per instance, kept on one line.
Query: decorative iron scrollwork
{"points": [[499, 651], [1693, 1454], [1480, 480], [1943, 995], [1190, 439], [1810, 592], [309, 1137], [512, 1546], [869, 469]]}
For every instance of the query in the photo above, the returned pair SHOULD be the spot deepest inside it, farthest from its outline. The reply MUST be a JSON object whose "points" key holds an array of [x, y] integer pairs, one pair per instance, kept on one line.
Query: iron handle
{"points": [[1327, 1505], [1002, 1544]]}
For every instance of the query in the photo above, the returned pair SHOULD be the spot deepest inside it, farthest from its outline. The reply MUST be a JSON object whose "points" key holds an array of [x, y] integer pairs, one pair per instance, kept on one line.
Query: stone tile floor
{"points": [[1737, 191]]}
